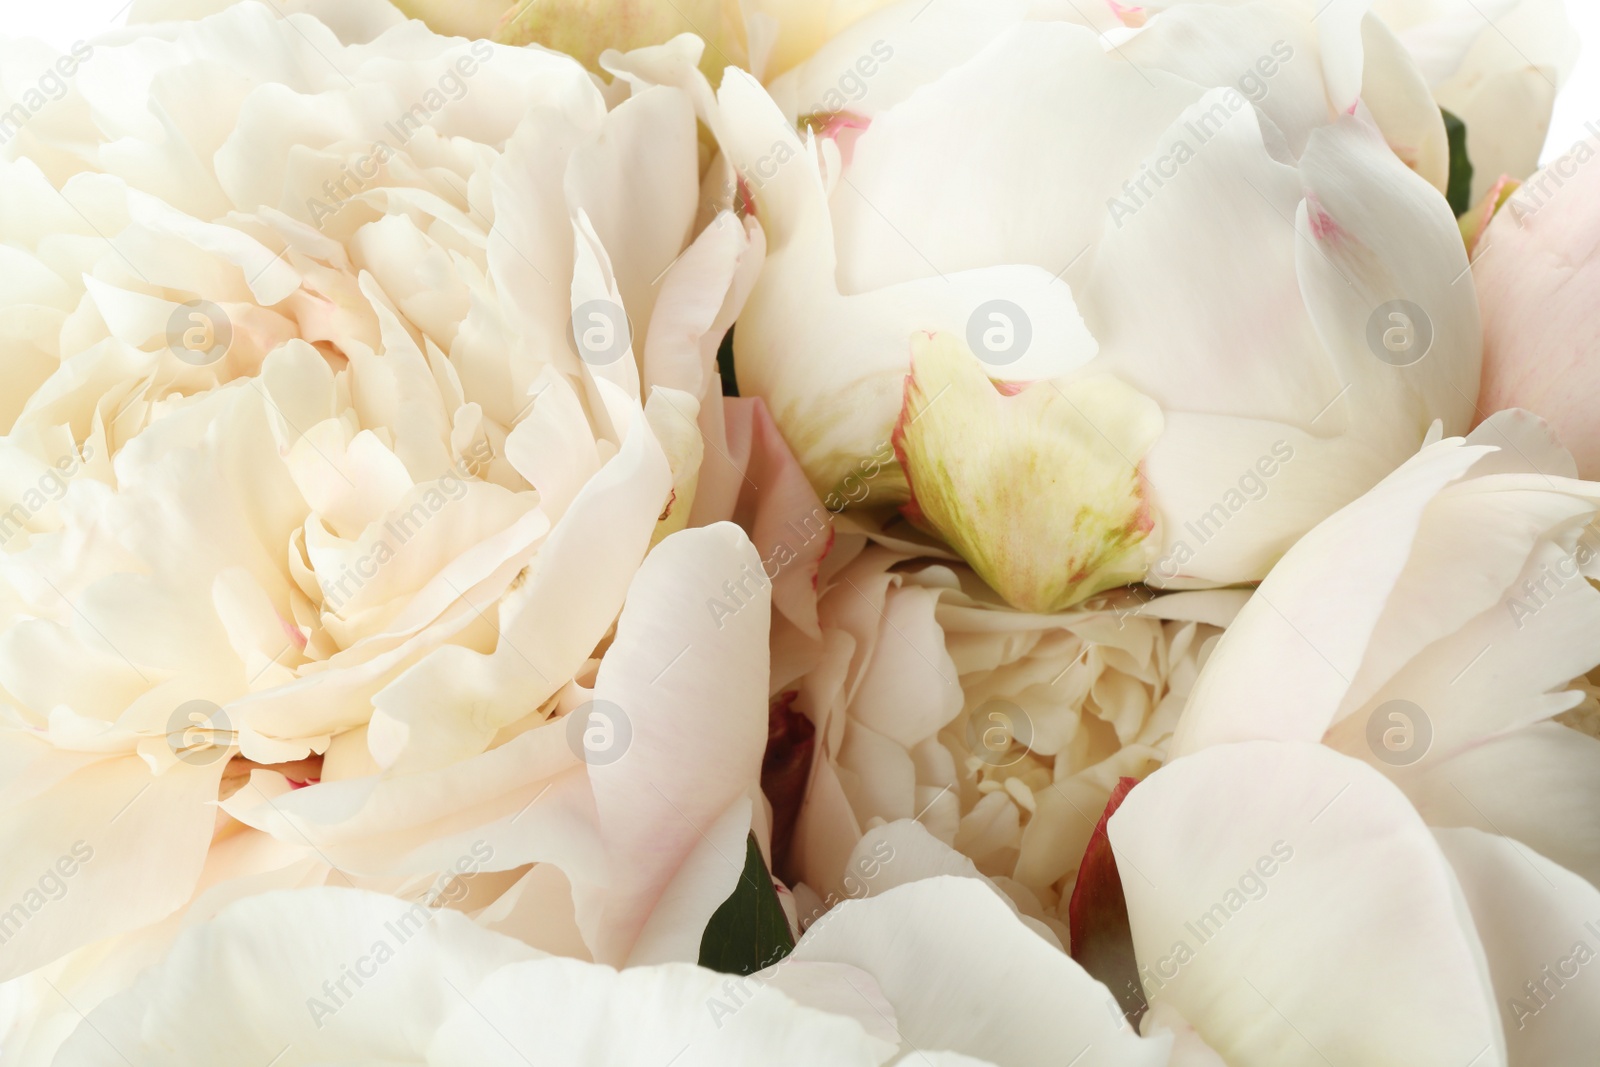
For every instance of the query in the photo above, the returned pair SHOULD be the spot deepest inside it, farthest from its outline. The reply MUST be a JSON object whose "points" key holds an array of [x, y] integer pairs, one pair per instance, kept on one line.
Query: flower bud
{"points": [[1538, 277]]}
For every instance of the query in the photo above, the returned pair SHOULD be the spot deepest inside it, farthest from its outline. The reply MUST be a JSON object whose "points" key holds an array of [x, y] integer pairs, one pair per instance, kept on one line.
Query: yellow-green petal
{"points": [[457, 18], [1039, 489], [585, 28]]}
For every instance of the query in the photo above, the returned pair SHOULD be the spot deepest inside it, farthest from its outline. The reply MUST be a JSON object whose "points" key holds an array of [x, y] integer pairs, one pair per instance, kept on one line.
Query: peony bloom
{"points": [[360, 398], [1445, 684], [1494, 65], [1538, 278], [1125, 300], [336, 975], [1434, 633], [1410, 795], [1289, 907], [766, 37], [1001, 733]]}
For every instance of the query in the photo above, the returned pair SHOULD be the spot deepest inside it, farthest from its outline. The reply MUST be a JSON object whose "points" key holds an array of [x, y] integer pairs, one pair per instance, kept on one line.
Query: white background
{"points": [[1579, 101], [61, 22], [64, 21]]}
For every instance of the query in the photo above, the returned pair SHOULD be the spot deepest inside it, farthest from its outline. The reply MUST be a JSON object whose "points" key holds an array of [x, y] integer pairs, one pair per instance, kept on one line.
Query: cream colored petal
{"points": [[688, 690], [310, 976], [1537, 786], [1540, 925], [548, 629], [107, 848], [1243, 861], [562, 1011], [965, 975], [1288, 630]]}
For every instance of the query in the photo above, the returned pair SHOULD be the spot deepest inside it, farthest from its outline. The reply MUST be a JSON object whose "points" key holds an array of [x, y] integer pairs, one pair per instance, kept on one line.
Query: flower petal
{"points": [[984, 985], [690, 684], [1244, 861], [1538, 922]]}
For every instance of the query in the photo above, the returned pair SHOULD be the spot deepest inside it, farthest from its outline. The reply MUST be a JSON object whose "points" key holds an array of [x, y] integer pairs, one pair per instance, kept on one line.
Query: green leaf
{"points": [[730, 382], [1459, 191], [749, 931]]}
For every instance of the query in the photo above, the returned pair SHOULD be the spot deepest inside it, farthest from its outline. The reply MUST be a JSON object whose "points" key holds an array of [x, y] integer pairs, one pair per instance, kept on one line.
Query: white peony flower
{"points": [[1002, 733], [399, 631], [1365, 773], [363, 393], [1289, 908], [333, 975], [1215, 304], [1496, 65], [1435, 628], [1430, 634]]}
